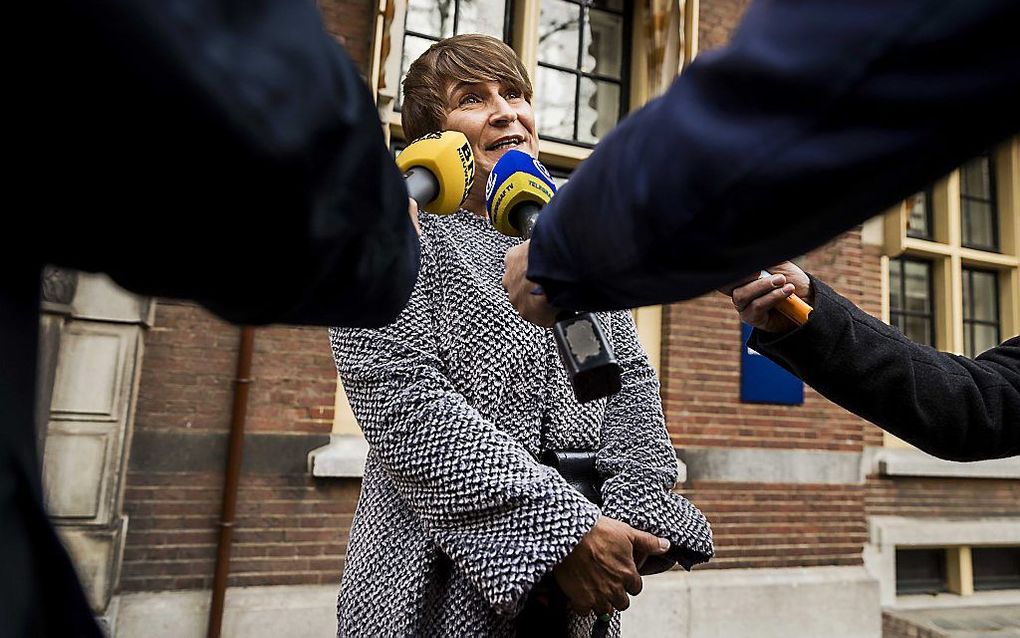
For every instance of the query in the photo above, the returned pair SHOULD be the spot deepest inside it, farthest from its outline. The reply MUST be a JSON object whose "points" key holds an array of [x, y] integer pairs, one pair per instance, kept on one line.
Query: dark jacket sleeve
{"points": [[947, 405], [815, 117], [226, 152]]}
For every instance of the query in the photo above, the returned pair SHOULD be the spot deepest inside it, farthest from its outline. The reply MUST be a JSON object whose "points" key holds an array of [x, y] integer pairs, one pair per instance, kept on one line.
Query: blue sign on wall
{"points": [[762, 381]]}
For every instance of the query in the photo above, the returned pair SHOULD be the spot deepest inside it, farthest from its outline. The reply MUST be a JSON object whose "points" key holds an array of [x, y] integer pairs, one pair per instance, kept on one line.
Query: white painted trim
{"points": [[343, 457]]}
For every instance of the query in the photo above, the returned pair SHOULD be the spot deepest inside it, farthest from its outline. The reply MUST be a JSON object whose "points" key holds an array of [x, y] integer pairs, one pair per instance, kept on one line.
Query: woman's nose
{"points": [[502, 111]]}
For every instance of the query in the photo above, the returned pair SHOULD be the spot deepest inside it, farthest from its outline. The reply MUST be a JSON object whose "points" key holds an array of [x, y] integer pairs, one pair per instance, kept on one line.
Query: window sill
{"points": [[977, 599], [913, 462], [343, 457]]}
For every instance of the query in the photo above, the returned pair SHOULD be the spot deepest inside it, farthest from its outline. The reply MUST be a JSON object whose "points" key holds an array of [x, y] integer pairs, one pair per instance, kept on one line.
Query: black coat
{"points": [[226, 152], [813, 118], [947, 405]]}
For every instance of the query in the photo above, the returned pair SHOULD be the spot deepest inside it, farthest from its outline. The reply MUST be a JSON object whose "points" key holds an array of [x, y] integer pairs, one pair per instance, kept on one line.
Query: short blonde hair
{"points": [[467, 58]]}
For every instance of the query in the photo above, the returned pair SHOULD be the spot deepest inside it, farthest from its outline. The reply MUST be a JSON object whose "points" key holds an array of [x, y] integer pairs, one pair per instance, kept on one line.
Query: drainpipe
{"points": [[242, 383]]}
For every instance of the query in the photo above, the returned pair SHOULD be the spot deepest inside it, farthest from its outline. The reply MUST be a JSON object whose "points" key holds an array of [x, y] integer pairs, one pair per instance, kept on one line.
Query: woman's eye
{"points": [[513, 95], [469, 99]]}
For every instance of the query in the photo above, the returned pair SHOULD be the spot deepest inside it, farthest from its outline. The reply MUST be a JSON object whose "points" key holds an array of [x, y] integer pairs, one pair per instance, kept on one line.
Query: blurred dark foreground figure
{"points": [[225, 152], [815, 117]]}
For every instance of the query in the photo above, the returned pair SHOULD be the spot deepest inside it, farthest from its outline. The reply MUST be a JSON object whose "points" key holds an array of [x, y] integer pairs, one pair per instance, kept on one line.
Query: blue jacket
{"points": [[815, 117]]}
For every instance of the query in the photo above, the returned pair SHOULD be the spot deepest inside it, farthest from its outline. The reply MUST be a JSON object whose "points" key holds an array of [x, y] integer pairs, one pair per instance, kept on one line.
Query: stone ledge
{"points": [[343, 457], [914, 462], [780, 466]]}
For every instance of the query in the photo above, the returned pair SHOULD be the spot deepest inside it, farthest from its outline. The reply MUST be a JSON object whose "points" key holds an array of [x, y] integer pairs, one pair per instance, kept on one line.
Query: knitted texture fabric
{"points": [[458, 398]]}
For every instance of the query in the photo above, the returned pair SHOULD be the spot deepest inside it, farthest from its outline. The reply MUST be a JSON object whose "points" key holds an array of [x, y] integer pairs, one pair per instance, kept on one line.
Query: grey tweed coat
{"points": [[457, 398]]}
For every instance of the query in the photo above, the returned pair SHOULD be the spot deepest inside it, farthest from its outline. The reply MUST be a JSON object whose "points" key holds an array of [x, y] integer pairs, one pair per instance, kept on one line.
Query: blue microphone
{"points": [[518, 187]]}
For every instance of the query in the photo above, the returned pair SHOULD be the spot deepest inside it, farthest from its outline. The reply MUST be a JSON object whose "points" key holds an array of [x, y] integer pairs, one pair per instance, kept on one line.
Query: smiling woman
{"points": [[459, 527], [474, 84]]}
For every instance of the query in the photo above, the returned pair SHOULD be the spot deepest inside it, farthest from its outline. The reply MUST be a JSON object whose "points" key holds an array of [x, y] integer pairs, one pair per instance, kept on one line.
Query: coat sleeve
{"points": [[219, 151], [947, 405], [502, 517], [815, 117], [637, 460]]}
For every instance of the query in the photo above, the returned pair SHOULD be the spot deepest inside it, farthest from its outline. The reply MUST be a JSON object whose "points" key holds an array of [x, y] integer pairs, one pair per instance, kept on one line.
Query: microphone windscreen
{"points": [[515, 179], [447, 155]]}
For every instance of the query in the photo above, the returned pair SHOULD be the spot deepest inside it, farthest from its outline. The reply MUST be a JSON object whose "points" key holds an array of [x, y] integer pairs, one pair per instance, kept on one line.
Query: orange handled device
{"points": [[793, 307]]}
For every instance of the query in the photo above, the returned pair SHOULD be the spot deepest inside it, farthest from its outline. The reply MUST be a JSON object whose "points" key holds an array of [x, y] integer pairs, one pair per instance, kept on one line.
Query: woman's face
{"points": [[494, 119]]}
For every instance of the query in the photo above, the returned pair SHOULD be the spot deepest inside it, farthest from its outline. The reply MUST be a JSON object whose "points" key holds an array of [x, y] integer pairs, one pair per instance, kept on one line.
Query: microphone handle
{"points": [[524, 217], [422, 185]]}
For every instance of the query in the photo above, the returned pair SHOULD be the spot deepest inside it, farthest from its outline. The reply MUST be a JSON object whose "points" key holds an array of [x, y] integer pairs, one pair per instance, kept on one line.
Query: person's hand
{"points": [[756, 298], [412, 212], [600, 571], [532, 306]]}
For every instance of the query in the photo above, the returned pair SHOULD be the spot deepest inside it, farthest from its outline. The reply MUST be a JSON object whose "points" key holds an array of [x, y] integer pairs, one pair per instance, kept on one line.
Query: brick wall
{"points": [[894, 627], [936, 497], [290, 529], [701, 370], [352, 23], [716, 21], [756, 525]]}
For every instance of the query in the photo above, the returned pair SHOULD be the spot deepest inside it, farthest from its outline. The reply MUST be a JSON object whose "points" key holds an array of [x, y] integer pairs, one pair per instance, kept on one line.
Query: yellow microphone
{"points": [[439, 170]]}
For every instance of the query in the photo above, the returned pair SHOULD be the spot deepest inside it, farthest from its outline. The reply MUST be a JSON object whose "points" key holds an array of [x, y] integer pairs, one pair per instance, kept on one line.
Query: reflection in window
{"points": [[919, 219], [979, 216], [430, 21], [980, 311], [910, 299], [580, 81]]}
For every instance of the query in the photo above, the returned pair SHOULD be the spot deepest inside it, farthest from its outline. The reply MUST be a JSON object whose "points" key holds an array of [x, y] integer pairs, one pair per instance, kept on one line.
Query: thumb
{"points": [[648, 544]]}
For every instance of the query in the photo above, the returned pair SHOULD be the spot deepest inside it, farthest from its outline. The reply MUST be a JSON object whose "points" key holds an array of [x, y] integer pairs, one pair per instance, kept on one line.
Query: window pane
{"points": [[896, 321], [895, 285], [554, 102], [975, 178], [603, 52], [996, 568], [558, 33], [608, 5], [431, 17], [482, 16], [918, 329], [985, 291], [599, 109], [985, 337], [918, 287], [920, 571], [917, 222], [413, 48], [978, 220]]}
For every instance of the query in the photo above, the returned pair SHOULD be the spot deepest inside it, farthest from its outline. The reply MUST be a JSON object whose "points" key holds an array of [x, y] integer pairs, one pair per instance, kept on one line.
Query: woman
{"points": [[458, 399]]}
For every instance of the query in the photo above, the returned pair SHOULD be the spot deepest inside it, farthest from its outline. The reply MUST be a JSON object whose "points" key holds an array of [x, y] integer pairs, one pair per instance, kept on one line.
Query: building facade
{"points": [[824, 525]]}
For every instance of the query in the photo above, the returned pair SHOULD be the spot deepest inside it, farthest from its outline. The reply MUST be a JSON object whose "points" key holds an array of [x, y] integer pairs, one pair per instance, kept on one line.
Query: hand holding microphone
{"points": [[518, 188]]}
